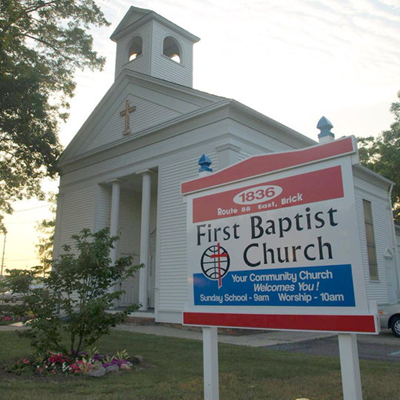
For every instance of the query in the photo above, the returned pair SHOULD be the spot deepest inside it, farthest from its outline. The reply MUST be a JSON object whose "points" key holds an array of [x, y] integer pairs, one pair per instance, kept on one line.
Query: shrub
{"points": [[74, 296]]}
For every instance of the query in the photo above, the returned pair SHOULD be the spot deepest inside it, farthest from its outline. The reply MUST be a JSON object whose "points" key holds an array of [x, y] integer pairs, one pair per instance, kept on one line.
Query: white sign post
{"points": [[273, 243], [350, 366], [210, 363]]}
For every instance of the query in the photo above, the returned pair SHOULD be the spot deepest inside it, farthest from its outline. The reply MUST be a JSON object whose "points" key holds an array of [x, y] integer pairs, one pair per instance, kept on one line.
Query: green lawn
{"points": [[176, 373]]}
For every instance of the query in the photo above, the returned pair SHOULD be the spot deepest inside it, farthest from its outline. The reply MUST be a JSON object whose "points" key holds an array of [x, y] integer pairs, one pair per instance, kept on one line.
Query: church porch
{"points": [[128, 205]]}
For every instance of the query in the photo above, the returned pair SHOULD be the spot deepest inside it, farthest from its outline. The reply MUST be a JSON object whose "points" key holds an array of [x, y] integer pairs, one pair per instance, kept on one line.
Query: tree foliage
{"points": [[73, 298], [382, 155], [46, 227], [42, 43]]}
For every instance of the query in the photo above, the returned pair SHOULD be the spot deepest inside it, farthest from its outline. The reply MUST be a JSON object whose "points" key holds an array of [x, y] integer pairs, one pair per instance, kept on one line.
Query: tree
{"points": [[47, 229], [73, 298], [382, 155], [42, 44]]}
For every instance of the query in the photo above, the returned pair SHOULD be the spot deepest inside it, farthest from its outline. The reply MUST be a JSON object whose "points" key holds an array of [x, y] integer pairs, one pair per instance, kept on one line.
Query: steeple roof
{"points": [[136, 17]]}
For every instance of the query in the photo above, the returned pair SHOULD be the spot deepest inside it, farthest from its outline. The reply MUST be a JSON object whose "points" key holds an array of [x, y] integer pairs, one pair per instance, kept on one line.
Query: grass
{"points": [[176, 373]]}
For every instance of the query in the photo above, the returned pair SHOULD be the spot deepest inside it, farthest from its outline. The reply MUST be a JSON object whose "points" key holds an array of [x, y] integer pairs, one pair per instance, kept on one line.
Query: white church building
{"points": [[125, 166]]}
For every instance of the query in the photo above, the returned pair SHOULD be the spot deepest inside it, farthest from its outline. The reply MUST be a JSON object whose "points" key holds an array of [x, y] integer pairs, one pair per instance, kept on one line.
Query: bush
{"points": [[73, 298]]}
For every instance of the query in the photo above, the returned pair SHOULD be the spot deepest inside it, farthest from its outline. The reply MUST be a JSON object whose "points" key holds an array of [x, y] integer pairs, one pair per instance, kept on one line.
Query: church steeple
{"points": [[150, 44]]}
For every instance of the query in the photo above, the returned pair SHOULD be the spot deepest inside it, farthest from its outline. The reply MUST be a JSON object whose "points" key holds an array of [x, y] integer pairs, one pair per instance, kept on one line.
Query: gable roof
{"points": [[166, 101], [136, 17]]}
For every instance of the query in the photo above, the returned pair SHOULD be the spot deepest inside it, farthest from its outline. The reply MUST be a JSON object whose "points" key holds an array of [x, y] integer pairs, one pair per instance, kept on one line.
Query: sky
{"points": [[292, 60]]}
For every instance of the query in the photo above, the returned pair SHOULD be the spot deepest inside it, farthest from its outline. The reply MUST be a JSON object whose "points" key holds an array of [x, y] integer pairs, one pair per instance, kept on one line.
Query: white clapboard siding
{"points": [[164, 67], [103, 207], [376, 290], [172, 225], [398, 253], [397, 232], [142, 63], [243, 156], [77, 213], [152, 61]]}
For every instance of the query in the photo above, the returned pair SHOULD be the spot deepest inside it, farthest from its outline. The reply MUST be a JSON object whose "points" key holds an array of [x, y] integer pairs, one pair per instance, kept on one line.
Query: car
{"points": [[389, 317], [10, 296]]}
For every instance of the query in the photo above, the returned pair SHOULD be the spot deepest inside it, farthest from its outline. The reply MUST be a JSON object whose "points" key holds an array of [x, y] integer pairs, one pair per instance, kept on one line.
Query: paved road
{"points": [[383, 347]]}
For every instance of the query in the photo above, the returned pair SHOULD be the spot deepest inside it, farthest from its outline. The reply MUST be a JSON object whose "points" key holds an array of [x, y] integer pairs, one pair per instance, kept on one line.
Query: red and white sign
{"points": [[273, 243], [307, 188]]}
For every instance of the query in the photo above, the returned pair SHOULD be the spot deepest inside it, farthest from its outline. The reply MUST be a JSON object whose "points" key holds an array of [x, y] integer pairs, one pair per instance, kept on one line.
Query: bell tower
{"points": [[150, 44]]}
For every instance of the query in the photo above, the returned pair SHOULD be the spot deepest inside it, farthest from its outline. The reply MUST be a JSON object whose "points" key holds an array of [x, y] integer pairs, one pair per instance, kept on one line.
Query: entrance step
{"points": [[138, 317], [141, 318]]}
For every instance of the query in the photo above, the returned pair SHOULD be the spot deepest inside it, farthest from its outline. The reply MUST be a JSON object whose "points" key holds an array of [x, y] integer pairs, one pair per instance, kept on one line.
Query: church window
{"points": [[135, 49], [172, 49], [370, 237]]}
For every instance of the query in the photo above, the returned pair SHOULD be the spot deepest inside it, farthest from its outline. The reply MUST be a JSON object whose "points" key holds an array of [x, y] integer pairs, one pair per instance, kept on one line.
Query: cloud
{"points": [[276, 55]]}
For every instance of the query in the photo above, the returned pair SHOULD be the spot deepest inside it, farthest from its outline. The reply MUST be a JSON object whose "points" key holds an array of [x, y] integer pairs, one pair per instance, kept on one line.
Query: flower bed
{"points": [[92, 364], [8, 318]]}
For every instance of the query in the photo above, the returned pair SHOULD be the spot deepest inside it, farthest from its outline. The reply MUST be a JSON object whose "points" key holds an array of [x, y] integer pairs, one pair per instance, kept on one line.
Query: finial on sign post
{"points": [[205, 162], [325, 126]]}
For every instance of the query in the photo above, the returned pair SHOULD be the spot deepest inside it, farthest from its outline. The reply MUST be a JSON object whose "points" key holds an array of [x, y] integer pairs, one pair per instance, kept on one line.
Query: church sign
{"points": [[273, 243]]}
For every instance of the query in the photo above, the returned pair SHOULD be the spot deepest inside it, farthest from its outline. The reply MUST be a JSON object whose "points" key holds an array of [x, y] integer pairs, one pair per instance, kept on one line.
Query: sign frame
{"points": [[278, 170]]}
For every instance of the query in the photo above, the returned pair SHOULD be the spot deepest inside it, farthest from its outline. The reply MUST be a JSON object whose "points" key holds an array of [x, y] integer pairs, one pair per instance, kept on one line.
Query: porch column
{"points": [[115, 195], [144, 238]]}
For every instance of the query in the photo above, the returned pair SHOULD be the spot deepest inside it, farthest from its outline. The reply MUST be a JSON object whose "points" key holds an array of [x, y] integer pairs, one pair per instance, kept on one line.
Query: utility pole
{"points": [[4, 251]]}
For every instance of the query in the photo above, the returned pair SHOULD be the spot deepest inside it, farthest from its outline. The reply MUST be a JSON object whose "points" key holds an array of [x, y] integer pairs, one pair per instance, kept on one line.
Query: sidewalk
{"points": [[13, 327], [252, 339]]}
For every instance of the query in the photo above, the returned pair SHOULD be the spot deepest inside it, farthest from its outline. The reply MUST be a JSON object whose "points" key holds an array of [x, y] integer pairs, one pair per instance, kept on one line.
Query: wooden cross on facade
{"points": [[125, 113]]}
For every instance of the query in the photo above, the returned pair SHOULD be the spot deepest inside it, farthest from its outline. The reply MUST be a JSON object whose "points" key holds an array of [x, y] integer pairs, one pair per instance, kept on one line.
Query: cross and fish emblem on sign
{"points": [[215, 263]]}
